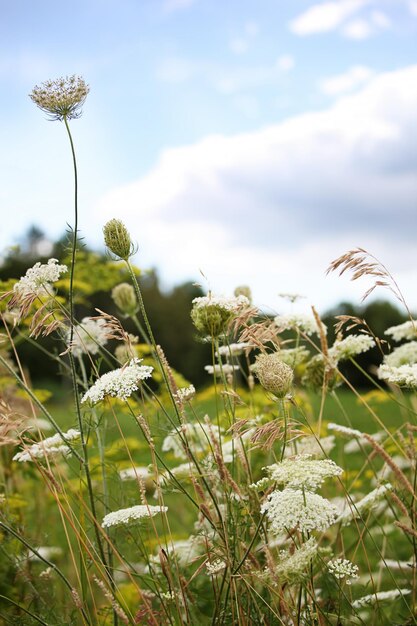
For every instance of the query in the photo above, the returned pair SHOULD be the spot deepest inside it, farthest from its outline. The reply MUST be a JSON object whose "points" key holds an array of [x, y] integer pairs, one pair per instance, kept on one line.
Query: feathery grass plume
{"points": [[273, 374], [117, 239], [124, 297], [119, 383], [61, 98]]}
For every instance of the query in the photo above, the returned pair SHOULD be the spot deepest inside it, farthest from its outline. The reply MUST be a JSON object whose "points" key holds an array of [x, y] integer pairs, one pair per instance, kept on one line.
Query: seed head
{"points": [[117, 239], [124, 297], [274, 375], [61, 98]]}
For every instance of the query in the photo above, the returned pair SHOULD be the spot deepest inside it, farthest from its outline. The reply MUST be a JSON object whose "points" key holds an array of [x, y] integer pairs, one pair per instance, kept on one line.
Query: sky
{"points": [[241, 142]]}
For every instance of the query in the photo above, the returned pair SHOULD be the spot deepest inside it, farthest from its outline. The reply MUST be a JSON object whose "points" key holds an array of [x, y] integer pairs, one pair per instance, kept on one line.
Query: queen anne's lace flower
{"points": [[185, 394], [61, 98], [294, 567], [350, 346], [404, 376], [218, 370], [119, 383], [132, 515], [379, 596], [89, 336], [357, 509], [296, 321], [312, 446], [133, 473], [343, 569], [293, 508], [403, 355], [215, 567], [39, 278], [52, 446], [233, 304], [197, 436], [233, 349], [408, 330], [303, 471]]}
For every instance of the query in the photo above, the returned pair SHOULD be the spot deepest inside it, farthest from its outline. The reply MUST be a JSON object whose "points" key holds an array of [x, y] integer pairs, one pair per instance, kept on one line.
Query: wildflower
{"points": [[39, 278], [294, 356], [229, 448], [304, 323], [117, 239], [379, 596], [404, 376], [62, 98], [319, 371], [184, 551], [133, 473], [45, 552], [296, 566], [131, 515], [215, 567], [124, 297], [303, 472], [233, 349], [119, 383], [52, 446], [185, 394], [273, 374], [357, 509], [218, 370], [197, 438], [408, 330], [343, 569], [212, 314], [89, 336], [403, 355], [312, 446], [350, 346], [294, 508], [243, 290], [344, 430]]}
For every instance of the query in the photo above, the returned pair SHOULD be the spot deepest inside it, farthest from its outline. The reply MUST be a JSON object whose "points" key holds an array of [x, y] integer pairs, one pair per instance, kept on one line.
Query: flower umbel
{"points": [[132, 515], [61, 98], [119, 383], [293, 508]]}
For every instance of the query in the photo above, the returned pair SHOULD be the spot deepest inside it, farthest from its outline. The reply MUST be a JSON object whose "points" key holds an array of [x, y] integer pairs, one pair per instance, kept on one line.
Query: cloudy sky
{"points": [[251, 141]]}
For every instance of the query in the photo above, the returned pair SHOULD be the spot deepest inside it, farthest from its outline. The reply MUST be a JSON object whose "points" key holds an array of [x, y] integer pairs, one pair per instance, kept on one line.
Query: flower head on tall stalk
{"points": [[61, 98]]}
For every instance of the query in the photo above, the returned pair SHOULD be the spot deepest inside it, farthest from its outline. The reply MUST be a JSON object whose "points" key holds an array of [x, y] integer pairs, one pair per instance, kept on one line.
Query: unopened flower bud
{"points": [[124, 297], [117, 239], [211, 320], [273, 374], [317, 373]]}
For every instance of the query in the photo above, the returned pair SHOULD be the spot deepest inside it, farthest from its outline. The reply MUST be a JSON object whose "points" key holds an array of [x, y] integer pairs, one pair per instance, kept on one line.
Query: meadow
{"points": [[278, 494]]}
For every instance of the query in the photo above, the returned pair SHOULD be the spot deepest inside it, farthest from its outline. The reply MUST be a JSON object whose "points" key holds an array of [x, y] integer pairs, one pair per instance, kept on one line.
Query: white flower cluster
{"points": [[350, 346], [379, 596], [294, 567], [185, 394], [345, 430], [293, 508], [61, 98], [311, 445], [403, 355], [296, 321], [197, 436], [233, 349], [404, 376], [133, 473], [39, 278], [343, 569], [357, 509], [230, 448], [408, 330], [184, 551], [218, 370], [119, 383], [303, 472], [215, 567], [294, 356], [131, 515], [51, 446], [233, 304], [89, 336]]}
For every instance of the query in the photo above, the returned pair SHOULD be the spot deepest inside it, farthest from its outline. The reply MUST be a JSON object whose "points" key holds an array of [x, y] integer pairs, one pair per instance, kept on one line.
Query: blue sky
{"points": [[254, 141]]}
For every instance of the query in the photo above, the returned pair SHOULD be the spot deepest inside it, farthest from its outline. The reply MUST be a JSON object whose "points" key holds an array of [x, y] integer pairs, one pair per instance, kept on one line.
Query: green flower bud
{"points": [[211, 320], [117, 239], [315, 373], [273, 374], [124, 298]]}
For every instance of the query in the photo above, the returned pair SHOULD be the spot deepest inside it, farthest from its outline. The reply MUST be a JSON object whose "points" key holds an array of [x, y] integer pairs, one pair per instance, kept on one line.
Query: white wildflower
{"points": [[403, 355], [62, 98], [134, 473], [215, 567], [221, 370], [408, 330], [345, 430], [356, 445], [379, 596], [119, 383], [294, 567], [196, 435], [350, 346], [52, 446], [184, 551], [39, 278], [293, 356], [231, 447], [233, 349], [343, 569], [301, 322], [303, 472], [406, 566], [185, 394], [89, 336], [293, 508], [404, 376], [357, 509], [311, 445], [233, 304], [39, 423], [131, 515], [46, 552]]}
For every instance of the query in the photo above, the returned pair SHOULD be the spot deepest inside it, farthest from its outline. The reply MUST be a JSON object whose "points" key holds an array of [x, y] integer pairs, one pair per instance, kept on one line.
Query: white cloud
{"points": [[325, 17], [285, 62], [380, 20], [238, 45], [273, 207], [412, 5], [176, 70], [355, 77], [170, 6], [357, 29]]}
